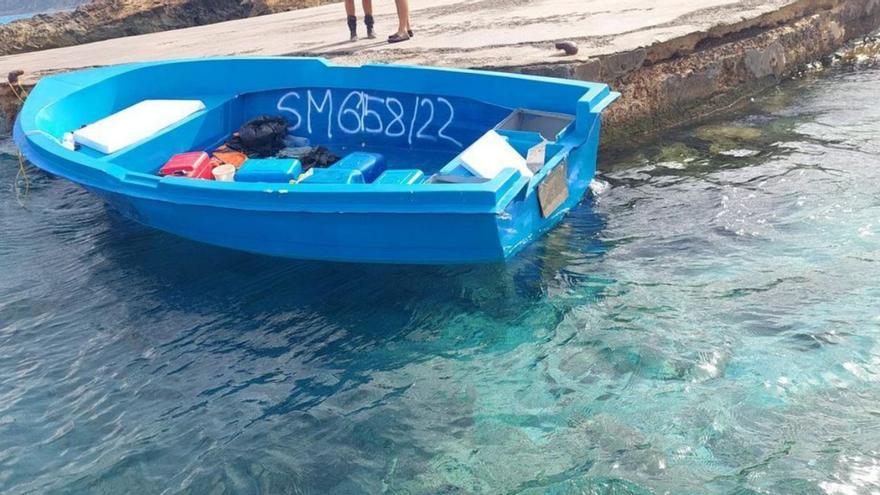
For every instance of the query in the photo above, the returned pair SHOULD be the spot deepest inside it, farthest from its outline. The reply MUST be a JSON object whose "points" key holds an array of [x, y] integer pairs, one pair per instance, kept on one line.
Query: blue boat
{"points": [[426, 173]]}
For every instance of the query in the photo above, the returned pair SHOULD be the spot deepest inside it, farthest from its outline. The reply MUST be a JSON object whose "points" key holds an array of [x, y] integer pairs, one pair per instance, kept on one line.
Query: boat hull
{"points": [[423, 224], [352, 237], [362, 237]]}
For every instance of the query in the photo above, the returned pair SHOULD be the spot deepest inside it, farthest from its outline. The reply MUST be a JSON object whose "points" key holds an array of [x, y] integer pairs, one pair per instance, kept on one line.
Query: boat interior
{"points": [[416, 139], [420, 132], [431, 165]]}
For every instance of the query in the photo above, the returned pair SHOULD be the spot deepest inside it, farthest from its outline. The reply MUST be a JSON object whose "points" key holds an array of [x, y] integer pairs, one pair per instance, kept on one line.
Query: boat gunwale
{"points": [[489, 197]]}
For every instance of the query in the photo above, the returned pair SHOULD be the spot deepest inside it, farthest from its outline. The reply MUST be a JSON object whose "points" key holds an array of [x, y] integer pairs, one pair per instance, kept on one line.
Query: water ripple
{"points": [[705, 323]]}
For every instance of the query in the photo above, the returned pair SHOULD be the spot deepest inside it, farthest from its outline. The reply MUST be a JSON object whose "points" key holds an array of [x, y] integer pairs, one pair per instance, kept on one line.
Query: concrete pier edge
{"points": [[673, 82]]}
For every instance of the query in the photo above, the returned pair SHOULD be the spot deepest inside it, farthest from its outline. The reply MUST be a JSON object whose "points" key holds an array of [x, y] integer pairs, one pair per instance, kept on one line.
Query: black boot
{"points": [[368, 20], [353, 27]]}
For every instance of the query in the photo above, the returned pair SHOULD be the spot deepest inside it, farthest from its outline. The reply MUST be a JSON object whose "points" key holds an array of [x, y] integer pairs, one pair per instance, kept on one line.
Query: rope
{"points": [[22, 174], [16, 93]]}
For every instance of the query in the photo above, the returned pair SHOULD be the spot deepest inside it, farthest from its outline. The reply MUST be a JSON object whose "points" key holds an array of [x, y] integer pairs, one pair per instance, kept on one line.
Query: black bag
{"points": [[319, 157], [263, 136]]}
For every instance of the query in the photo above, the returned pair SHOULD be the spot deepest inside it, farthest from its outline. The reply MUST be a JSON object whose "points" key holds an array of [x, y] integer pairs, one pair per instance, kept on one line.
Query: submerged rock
{"points": [[590, 486], [717, 133], [723, 138], [677, 152]]}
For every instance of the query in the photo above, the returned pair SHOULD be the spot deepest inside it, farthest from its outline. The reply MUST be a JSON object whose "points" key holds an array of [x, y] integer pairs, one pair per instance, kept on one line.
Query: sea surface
{"points": [[6, 19], [706, 322]]}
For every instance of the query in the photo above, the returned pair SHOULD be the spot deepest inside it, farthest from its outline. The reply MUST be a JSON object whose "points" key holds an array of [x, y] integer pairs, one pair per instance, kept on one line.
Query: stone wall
{"points": [[675, 82], [9, 106]]}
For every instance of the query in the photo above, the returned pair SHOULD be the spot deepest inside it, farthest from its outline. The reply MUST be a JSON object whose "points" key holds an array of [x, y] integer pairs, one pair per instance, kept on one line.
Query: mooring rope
{"points": [[16, 93], [21, 175]]}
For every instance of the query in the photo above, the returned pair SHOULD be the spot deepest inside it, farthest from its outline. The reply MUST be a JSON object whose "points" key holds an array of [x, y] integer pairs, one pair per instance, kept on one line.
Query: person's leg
{"points": [[402, 22], [409, 31], [352, 19], [368, 18]]}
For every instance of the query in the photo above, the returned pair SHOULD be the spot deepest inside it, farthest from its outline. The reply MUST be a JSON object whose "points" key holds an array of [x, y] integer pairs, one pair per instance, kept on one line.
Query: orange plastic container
{"points": [[231, 157]]}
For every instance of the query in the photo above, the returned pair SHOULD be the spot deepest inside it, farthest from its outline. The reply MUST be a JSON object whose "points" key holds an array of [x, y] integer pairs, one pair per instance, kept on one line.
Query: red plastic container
{"points": [[196, 165]]}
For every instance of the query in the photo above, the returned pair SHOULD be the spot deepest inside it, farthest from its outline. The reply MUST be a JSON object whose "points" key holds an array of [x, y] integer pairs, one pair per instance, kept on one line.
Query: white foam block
{"points": [[491, 154], [135, 123]]}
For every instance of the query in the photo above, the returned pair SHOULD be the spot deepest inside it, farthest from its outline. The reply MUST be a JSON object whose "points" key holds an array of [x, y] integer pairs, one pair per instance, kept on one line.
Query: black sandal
{"points": [[396, 38], [409, 33]]}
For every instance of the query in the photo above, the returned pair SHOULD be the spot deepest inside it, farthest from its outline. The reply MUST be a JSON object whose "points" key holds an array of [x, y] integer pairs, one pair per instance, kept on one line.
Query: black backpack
{"points": [[263, 136]]}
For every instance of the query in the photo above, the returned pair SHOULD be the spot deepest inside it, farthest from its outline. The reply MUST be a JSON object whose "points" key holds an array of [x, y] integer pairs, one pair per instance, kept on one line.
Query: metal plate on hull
{"points": [[553, 190]]}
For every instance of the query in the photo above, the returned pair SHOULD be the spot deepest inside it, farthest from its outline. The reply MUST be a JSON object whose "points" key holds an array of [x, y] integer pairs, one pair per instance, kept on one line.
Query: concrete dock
{"points": [[666, 57]]}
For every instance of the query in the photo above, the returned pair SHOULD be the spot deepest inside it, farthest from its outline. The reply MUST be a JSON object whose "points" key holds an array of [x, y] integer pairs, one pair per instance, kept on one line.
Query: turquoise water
{"points": [[6, 19], [708, 323]]}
